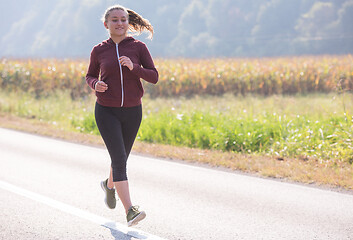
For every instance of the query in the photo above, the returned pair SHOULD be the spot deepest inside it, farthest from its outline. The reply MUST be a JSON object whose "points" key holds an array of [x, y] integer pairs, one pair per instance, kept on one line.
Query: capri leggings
{"points": [[118, 128]]}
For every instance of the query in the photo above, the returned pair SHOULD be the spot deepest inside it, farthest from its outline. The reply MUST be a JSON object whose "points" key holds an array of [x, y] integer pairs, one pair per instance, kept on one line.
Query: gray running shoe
{"points": [[134, 216], [109, 199]]}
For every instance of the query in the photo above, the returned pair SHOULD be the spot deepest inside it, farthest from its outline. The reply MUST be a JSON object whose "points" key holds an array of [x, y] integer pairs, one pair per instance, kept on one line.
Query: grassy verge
{"points": [[61, 117], [301, 127]]}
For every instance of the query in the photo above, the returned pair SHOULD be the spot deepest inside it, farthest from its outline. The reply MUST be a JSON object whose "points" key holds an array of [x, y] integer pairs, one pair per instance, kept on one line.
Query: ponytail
{"points": [[137, 23]]}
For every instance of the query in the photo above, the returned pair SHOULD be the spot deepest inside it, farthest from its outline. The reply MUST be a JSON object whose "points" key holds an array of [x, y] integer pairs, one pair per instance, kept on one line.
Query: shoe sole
{"points": [[137, 219], [105, 199]]}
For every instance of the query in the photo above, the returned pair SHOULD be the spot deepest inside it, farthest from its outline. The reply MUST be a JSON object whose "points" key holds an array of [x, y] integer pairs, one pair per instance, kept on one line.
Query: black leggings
{"points": [[118, 128]]}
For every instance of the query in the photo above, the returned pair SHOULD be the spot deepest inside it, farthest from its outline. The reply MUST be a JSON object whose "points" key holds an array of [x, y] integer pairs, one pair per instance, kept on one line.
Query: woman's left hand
{"points": [[125, 61]]}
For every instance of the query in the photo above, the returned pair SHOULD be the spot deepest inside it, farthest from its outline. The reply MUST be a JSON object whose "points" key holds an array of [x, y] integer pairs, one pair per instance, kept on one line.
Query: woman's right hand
{"points": [[101, 86]]}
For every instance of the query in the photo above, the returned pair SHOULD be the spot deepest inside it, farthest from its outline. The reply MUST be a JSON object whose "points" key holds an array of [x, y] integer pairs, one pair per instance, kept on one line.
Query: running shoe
{"points": [[109, 199], [134, 216]]}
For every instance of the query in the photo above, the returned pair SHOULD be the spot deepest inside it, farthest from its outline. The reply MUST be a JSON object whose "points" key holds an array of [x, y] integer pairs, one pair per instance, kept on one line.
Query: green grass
{"points": [[302, 126], [314, 126], [57, 109]]}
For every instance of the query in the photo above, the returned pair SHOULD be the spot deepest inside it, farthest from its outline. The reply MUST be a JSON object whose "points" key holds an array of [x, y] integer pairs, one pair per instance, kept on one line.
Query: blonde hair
{"points": [[137, 23]]}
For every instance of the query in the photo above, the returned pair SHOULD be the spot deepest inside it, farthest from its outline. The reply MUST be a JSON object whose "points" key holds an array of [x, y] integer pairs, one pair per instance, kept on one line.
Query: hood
{"points": [[125, 40]]}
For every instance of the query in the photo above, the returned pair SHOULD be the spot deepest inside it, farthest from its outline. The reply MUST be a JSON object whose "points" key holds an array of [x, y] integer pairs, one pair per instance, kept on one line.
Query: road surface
{"points": [[49, 189]]}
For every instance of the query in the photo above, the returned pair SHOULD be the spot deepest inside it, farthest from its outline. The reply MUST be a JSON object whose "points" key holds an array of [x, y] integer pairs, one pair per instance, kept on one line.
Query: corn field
{"points": [[188, 77]]}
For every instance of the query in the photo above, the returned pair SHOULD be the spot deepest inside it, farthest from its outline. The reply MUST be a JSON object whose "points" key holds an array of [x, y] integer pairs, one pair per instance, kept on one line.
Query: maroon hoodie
{"points": [[124, 86]]}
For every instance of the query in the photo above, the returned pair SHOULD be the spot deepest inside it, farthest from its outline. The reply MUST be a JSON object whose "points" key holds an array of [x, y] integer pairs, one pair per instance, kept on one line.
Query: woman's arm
{"points": [[148, 71], [93, 71]]}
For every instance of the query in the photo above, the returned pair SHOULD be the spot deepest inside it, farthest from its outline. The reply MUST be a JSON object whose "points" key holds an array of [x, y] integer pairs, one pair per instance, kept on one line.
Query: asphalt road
{"points": [[49, 189]]}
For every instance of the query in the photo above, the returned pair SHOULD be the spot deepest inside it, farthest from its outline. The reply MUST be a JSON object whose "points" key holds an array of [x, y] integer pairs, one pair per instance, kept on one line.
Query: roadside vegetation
{"points": [[284, 118]]}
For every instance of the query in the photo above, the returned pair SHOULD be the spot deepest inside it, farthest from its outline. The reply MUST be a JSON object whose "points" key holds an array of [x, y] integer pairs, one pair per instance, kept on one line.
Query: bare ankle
{"points": [[110, 185]]}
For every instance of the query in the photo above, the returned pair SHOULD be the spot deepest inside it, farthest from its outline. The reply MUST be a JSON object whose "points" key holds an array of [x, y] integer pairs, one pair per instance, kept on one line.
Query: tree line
{"points": [[183, 28]]}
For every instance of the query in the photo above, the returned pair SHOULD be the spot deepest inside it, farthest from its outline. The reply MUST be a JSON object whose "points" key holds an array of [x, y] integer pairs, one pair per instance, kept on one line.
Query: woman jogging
{"points": [[114, 72]]}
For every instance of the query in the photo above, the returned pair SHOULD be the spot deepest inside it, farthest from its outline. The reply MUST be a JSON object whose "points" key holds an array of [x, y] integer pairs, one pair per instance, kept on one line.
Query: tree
{"points": [[343, 29], [190, 26], [183, 28], [322, 28], [274, 29], [230, 22]]}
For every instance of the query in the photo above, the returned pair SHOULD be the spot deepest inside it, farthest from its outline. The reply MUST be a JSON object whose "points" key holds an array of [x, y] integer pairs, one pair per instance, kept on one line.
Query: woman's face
{"points": [[117, 23]]}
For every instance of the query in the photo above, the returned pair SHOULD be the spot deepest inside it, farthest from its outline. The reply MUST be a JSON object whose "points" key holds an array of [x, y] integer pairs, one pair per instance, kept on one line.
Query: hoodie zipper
{"points": [[121, 76]]}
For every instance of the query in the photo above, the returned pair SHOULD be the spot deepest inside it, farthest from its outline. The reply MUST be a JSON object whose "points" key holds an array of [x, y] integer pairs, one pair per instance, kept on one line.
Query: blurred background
{"points": [[183, 28], [262, 86]]}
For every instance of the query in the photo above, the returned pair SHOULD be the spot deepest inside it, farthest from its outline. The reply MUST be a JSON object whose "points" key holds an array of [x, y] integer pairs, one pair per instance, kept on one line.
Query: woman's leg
{"points": [[110, 128], [110, 182], [130, 125], [119, 128], [122, 188]]}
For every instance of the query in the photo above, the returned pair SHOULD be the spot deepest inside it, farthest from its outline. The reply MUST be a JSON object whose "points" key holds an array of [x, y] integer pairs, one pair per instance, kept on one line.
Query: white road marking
{"points": [[78, 212]]}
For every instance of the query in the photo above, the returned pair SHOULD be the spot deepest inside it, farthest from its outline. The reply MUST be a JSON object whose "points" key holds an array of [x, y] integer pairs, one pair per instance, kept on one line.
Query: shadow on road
{"points": [[119, 235]]}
